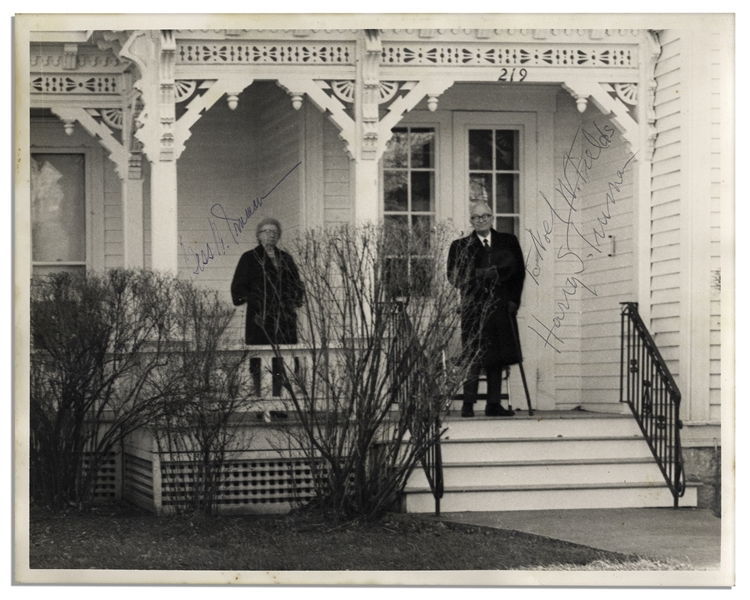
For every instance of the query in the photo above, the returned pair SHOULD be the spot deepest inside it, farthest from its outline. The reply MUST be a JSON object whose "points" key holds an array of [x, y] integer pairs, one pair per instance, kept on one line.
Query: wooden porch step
{"points": [[551, 460], [552, 424], [562, 472], [549, 497], [487, 450]]}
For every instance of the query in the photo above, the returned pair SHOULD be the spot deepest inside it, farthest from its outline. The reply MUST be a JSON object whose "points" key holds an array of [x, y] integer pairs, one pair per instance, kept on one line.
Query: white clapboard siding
{"points": [[336, 177], [113, 233], [716, 177], [566, 309], [590, 328], [279, 150], [665, 202]]}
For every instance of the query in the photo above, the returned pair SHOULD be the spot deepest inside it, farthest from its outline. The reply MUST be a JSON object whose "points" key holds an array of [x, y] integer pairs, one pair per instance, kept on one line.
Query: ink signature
{"points": [[575, 173], [234, 225]]}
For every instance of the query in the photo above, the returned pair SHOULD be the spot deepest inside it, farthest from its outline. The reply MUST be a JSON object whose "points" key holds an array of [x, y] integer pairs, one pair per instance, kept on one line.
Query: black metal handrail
{"points": [[652, 394], [419, 386]]}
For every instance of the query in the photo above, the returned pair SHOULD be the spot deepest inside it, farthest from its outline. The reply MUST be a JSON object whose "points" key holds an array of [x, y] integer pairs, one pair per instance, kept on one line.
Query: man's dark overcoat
{"points": [[485, 300], [272, 293]]}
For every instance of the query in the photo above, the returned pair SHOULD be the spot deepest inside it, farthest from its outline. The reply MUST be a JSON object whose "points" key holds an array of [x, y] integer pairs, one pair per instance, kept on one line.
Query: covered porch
{"points": [[206, 129]]}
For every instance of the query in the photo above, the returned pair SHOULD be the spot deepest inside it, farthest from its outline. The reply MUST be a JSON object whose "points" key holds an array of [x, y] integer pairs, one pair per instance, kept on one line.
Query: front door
{"points": [[495, 160]]}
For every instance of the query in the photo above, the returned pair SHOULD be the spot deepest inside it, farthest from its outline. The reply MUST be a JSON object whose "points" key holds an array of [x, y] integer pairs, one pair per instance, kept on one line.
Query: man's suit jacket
{"points": [[487, 321]]}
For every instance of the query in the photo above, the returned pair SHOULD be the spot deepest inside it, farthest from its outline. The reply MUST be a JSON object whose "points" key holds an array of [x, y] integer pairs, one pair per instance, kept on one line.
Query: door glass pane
{"points": [[58, 208], [505, 224], [480, 187], [505, 193], [397, 148], [506, 150], [396, 190], [422, 186], [422, 148], [480, 149]]}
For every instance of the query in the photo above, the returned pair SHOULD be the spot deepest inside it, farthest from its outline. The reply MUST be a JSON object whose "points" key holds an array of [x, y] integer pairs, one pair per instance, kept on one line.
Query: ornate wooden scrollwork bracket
{"points": [[584, 90], [153, 52]]}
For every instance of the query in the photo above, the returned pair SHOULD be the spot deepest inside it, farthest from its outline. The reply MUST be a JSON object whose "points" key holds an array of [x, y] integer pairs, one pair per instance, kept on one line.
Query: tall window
{"points": [[494, 174], [409, 202], [58, 213]]}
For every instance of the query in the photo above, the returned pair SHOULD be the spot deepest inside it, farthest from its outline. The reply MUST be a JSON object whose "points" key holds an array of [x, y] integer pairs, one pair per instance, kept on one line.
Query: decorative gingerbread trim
{"points": [[232, 86], [584, 90], [117, 152], [510, 55], [281, 53]]}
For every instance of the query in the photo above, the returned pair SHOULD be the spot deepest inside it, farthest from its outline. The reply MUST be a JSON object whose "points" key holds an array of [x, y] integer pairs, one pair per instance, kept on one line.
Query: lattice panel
{"points": [[106, 486], [76, 84], [138, 479], [252, 53], [509, 55], [245, 482]]}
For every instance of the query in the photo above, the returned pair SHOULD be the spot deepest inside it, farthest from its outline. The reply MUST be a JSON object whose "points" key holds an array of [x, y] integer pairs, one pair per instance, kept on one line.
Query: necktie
{"points": [[486, 245]]}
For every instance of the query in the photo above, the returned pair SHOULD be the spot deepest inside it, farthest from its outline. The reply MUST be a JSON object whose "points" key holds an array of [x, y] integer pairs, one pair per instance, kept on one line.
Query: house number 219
{"points": [[511, 75]]}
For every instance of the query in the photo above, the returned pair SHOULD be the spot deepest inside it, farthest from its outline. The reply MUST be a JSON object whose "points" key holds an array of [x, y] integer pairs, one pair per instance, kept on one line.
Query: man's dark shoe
{"points": [[497, 410], [467, 410]]}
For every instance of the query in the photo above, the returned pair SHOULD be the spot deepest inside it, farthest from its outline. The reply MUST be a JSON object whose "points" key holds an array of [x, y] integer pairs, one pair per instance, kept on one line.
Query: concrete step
{"points": [[552, 472], [494, 450], [523, 426], [549, 497]]}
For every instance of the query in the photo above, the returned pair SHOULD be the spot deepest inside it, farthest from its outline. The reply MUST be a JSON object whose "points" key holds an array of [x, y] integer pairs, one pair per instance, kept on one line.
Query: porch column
{"points": [[650, 49], [132, 214], [366, 116], [164, 237], [366, 185], [132, 185], [154, 54]]}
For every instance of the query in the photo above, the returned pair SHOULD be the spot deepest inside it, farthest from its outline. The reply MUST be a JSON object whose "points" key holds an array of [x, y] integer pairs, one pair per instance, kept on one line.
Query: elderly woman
{"points": [[267, 280]]}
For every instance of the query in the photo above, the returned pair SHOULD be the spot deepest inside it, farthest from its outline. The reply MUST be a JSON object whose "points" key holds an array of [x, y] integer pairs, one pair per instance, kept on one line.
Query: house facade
{"points": [[606, 151]]}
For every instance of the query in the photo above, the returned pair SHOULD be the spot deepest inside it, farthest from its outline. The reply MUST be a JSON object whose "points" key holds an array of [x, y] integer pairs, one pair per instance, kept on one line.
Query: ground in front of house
{"points": [[123, 537]]}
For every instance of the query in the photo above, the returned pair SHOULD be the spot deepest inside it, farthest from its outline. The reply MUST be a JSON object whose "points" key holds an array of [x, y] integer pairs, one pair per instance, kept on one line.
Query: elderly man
{"points": [[267, 280], [488, 268]]}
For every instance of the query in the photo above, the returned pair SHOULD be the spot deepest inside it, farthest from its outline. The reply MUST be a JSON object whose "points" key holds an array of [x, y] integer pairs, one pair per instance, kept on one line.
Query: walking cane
{"points": [[517, 340]]}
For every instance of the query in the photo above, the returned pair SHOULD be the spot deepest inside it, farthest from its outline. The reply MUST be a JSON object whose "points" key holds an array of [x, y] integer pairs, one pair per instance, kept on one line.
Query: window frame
{"points": [[441, 122], [93, 205], [409, 213]]}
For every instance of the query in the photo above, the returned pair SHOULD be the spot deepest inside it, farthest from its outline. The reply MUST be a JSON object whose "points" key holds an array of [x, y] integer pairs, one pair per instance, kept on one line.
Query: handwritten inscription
{"points": [[580, 243], [223, 225]]}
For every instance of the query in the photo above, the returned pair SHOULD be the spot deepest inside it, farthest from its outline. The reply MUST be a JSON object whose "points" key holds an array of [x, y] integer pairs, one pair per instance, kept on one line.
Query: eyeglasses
{"points": [[480, 217]]}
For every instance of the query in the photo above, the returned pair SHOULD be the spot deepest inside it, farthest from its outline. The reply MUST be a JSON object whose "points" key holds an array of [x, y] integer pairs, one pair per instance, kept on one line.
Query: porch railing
{"points": [[650, 390], [420, 387]]}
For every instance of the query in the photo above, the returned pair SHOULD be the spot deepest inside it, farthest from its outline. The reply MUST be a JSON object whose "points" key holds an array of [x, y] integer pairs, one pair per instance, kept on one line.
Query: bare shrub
{"points": [[96, 341], [381, 361], [205, 396]]}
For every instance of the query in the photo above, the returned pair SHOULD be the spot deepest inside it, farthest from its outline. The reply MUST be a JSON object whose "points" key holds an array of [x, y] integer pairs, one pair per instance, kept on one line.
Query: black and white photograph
{"points": [[360, 299]]}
